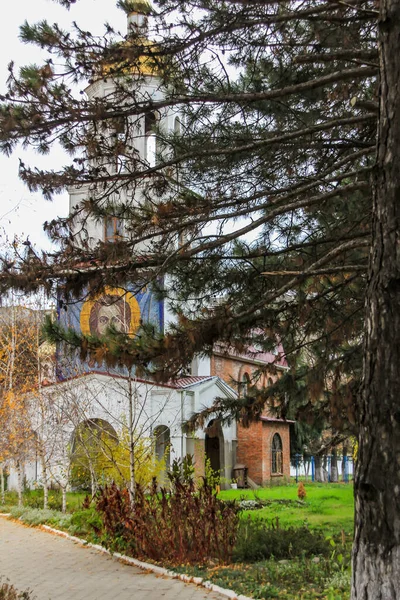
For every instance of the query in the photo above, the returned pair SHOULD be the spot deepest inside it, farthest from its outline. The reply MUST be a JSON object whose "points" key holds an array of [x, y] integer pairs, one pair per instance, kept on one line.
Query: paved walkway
{"points": [[55, 568]]}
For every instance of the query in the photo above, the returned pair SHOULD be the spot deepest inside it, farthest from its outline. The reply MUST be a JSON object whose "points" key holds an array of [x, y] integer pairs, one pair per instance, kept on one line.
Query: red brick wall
{"points": [[254, 450], [232, 370], [250, 450], [269, 430]]}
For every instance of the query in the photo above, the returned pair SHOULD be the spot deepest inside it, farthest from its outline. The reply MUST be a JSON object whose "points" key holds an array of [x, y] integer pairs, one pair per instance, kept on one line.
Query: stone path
{"points": [[55, 568]]}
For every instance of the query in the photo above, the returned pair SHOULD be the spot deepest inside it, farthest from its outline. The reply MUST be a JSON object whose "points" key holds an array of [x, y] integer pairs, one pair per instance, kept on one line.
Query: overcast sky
{"points": [[23, 213]]}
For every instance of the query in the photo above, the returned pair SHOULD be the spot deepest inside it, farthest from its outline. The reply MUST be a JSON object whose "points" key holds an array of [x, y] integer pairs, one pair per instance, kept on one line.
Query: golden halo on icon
{"points": [[112, 308]]}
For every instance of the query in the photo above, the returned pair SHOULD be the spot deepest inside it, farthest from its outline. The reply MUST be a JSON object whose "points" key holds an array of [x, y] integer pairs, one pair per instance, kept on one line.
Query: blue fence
{"points": [[324, 468]]}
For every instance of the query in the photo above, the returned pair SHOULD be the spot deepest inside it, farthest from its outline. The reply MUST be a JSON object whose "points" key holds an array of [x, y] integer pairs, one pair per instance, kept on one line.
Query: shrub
{"points": [[35, 499], [36, 516], [301, 491], [258, 540], [8, 592], [180, 525], [85, 522]]}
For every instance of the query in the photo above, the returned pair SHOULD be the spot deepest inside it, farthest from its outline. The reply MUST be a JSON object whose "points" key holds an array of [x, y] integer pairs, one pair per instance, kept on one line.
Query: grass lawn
{"points": [[327, 506]]}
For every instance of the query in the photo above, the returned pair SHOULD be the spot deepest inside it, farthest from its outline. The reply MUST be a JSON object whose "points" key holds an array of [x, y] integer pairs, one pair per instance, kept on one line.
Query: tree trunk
{"points": [[325, 468], [132, 484], [2, 485], [306, 467], [45, 483], [64, 499], [131, 416], [93, 480], [319, 475], [344, 463], [376, 551], [334, 467], [20, 484]]}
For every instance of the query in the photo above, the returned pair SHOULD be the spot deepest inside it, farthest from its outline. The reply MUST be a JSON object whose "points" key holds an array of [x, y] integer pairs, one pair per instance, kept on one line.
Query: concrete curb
{"points": [[145, 566]]}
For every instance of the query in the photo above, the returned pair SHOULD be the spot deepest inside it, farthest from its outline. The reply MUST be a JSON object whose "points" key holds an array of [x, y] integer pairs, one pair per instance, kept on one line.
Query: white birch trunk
{"points": [[2, 485], [45, 482], [20, 483], [131, 442], [64, 499]]}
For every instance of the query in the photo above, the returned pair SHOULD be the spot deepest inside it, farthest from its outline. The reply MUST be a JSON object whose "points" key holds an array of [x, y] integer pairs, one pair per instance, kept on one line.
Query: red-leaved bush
{"points": [[179, 525]]}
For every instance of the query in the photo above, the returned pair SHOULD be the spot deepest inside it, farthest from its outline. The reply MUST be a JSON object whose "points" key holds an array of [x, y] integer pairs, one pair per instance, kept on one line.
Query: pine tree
{"points": [[258, 208]]}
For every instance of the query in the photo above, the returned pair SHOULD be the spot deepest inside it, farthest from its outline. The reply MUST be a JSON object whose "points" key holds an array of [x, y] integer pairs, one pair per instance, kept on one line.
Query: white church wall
{"points": [[107, 398]]}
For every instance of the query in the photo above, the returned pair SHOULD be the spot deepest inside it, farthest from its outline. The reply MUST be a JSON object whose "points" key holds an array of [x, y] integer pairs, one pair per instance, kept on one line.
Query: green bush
{"points": [[10, 499], [85, 522], [258, 540], [35, 499]]}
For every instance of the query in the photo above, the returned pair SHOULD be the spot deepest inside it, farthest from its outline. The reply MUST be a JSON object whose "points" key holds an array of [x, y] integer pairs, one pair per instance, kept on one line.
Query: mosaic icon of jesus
{"points": [[109, 312], [114, 309]]}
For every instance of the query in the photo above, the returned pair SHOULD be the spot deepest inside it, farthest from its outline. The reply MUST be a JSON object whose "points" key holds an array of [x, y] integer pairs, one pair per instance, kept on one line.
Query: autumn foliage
{"points": [[18, 379], [301, 491], [178, 525]]}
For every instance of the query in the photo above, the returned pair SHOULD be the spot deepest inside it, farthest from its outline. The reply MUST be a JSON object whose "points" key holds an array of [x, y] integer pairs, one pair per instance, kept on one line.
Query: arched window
{"points": [[118, 132], [150, 124], [276, 455], [177, 126], [162, 438], [244, 385]]}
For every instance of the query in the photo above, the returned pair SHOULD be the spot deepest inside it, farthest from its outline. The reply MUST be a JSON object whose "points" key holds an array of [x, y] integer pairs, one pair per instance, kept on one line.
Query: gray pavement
{"points": [[55, 568]]}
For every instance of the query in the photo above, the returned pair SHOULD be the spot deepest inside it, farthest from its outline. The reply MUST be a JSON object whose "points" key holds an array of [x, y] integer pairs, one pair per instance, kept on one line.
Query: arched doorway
{"points": [[93, 454], [162, 439], [214, 446]]}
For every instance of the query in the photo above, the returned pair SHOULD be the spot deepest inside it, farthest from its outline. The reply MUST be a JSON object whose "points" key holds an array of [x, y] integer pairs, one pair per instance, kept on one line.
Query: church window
{"points": [[112, 229], [162, 437], [276, 455], [244, 385], [177, 126], [150, 123], [118, 132]]}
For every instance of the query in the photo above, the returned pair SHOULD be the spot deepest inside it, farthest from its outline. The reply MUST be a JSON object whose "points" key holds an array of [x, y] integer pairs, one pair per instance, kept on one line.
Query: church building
{"points": [[114, 396]]}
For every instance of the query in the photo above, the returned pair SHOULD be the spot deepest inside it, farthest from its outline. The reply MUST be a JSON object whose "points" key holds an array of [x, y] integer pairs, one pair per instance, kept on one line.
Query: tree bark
{"points": [[45, 482], [376, 551], [2, 485], [344, 463], [334, 467], [93, 479], [325, 468], [319, 473], [131, 417], [64, 499], [306, 467], [20, 482]]}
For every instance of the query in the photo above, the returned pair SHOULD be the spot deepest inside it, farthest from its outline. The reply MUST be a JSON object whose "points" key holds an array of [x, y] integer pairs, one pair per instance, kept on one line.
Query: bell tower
{"points": [[127, 145]]}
